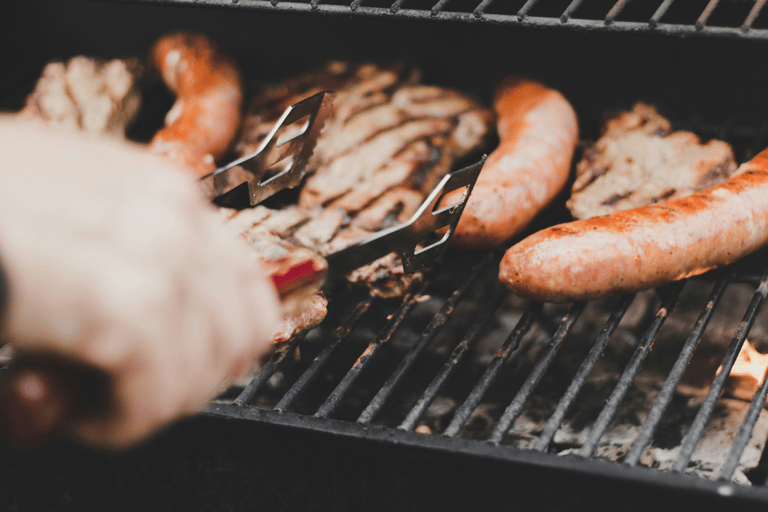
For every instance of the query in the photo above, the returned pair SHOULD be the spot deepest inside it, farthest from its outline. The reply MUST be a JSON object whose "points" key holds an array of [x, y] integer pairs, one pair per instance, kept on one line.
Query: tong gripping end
{"points": [[288, 147], [428, 218]]}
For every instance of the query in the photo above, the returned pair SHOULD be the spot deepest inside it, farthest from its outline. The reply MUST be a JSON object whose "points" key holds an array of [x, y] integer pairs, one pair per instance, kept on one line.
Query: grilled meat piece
{"points": [[87, 94], [303, 320], [640, 161], [296, 271], [356, 87], [386, 145]]}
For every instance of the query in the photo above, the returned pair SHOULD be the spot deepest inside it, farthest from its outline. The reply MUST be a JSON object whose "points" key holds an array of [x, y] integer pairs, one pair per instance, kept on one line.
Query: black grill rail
{"points": [[716, 18]]}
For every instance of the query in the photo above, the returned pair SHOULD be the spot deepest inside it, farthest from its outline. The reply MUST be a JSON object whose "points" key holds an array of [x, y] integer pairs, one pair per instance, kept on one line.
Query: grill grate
{"points": [[398, 402], [665, 395], [485, 269], [717, 18], [705, 412]]}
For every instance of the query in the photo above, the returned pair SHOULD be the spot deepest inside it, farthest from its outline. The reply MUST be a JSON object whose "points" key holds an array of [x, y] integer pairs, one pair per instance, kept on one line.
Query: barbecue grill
{"points": [[417, 403]]}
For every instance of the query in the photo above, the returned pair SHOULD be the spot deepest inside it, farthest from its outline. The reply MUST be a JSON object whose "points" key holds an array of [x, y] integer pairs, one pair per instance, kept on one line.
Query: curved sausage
{"points": [[206, 116], [637, 249], [538, 133]]}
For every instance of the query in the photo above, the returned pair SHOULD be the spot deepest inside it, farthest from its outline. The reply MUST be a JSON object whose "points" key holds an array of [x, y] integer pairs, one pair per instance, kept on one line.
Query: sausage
{"points": [[641, 248], [206, 116], [538, 132]]}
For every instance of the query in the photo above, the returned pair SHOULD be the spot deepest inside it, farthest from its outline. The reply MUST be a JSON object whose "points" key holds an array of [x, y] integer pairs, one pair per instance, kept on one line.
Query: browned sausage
{"points": [[202, 123], [538, 133], [637, 249]]}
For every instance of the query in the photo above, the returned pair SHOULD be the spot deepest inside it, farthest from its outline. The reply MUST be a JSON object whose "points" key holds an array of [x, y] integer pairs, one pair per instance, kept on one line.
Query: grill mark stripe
{"points": [[453, 119], [402, 147]]}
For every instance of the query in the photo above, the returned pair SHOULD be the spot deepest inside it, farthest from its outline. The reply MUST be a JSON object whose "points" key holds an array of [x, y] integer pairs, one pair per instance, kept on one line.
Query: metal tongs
{"points": [[252, 169], [404, 238], [66, 389]]}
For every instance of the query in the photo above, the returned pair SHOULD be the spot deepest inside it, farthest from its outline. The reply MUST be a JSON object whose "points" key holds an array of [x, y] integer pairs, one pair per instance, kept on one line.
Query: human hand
{"points": [[115, 260]]}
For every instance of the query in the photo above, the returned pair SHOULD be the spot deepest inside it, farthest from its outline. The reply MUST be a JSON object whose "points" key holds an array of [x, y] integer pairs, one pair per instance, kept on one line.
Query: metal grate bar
{"points": [[479, 15], [554, 421], [570, 10], [745, 431], [515, 408], [661, 11], [269, 369], [471, 336], [438, 7], [526, 8], [702, 21], [694, 434], [510, 345], [615, 11], [752, 16], [396, 6], [480, 9], [310, 373], [648, 428], [630, 372], [426, 338], [333, 400]]}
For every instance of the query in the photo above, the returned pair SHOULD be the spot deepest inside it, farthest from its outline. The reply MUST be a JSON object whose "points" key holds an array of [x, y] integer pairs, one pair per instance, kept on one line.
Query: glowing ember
{"points": [[747, 373]]}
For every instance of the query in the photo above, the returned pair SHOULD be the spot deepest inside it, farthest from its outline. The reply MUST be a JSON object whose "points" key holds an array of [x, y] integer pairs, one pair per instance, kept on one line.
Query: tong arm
{"points": [[404, 238]]}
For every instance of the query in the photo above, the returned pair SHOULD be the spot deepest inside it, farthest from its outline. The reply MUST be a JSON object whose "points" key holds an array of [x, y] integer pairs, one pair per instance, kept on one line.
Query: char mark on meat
{"points": [[87, 94], [638, 160], [385, 146]]}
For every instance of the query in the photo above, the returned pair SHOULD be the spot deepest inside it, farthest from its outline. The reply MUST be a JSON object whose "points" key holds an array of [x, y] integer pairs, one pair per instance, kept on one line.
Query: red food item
{"points": [[297, 277], [206, 116], [538, 133], [641, 248]]}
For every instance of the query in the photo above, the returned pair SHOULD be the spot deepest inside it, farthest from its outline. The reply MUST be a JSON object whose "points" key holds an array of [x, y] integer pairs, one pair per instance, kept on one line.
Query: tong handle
{"points": [[404, 238], [252, 169], [40, 395]]}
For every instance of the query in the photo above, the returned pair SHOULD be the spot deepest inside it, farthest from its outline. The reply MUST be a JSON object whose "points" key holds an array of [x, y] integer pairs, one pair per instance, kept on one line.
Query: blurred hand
{"points": [[113, 258]]}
